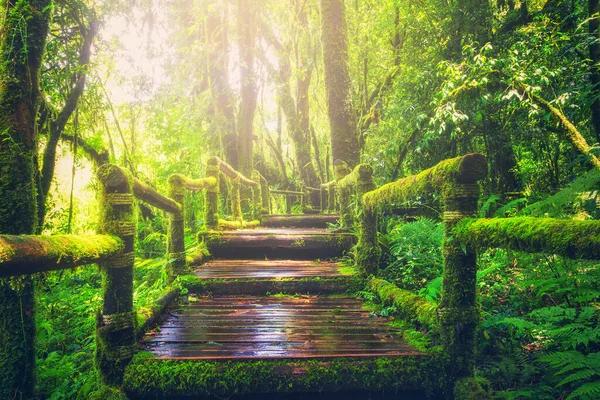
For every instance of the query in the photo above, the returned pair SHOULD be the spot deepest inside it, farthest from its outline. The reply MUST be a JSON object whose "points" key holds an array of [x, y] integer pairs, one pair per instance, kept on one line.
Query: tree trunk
{"points": [[248, 92], [342, 121], [58, 125], [594, 28], [224, 120], [21, 51]]}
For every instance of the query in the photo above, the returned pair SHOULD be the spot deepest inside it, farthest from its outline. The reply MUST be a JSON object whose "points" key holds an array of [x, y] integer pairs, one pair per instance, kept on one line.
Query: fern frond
{"points": [[588, 391], [577, 376]]}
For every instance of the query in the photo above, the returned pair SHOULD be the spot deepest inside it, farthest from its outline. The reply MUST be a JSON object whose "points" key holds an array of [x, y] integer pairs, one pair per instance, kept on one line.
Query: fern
{"points": [[589, 391], [577, 371]]}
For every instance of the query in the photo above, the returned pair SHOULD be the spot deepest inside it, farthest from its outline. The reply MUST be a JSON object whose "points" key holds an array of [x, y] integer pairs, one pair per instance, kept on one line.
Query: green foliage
{"points": [[66, 328], [415, 255]]}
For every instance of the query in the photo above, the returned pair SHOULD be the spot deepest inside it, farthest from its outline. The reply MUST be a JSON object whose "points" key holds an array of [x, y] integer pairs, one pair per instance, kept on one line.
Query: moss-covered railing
{"points": [[220, 172], [455, 181], [289, 197], [113, 250]]}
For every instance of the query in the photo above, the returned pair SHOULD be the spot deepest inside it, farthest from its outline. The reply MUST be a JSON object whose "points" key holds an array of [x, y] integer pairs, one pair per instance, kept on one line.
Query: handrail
{"points": [[232, 174], [466, 169], [573, 239], [287, 192], [28, 254], [358, 182], [152, 197], [214, 169], [456, 181]]}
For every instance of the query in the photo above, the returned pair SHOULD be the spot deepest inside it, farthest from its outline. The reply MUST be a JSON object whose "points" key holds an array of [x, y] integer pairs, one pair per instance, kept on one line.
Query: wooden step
{"points": [[307, 243], [274, 327], [234, 345], [238, 269], [299, 220]]}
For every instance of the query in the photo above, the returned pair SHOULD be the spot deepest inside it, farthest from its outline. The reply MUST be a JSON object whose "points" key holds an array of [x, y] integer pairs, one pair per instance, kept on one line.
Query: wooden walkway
{"points": [[313, 319]]}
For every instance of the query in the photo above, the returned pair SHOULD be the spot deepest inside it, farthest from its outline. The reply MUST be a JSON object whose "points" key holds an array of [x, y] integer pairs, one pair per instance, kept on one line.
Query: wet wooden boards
{"points": [[274, 327]]}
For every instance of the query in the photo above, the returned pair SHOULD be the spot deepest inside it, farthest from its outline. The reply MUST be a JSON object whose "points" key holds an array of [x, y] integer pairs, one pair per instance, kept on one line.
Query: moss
{"points": [[355, 183], [150, 377], [211, 202], [367, 252], [115, 325], [257, 197], [232, 225], [28, 254], [575, 239], [409, 305], [439, 179], [176, 260], [475, 388], [22, 44]]}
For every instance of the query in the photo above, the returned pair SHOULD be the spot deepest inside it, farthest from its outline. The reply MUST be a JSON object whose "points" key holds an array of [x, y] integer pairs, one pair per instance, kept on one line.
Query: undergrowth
{"points": [[67, 304], [540, 332]]}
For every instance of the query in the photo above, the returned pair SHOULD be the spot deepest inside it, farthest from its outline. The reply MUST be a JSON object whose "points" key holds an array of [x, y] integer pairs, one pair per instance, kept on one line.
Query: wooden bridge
{"points": [[273, 310]]}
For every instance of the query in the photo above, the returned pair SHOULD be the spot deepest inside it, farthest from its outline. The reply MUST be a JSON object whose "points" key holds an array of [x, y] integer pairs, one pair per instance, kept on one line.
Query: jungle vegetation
{"points": [[287, 88]]}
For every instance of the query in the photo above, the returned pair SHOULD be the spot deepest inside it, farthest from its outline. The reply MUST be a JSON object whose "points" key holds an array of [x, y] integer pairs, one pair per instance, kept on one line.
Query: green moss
{"points": [[232, 225], [115, 324], [439, 179], [211, 202], [176, 260], [162, 378], [59, 250], [409, 305], [575, 239]]}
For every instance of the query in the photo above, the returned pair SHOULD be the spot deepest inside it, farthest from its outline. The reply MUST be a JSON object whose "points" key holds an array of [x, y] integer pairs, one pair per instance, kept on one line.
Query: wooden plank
{"points": [[250, 327]]}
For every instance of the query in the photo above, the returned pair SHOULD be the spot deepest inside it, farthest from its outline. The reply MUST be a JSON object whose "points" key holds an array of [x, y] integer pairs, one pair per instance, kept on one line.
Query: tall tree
{"points": [[342, 120], [22, 46], [297, 112], [245, 121], [223, 100], [58, 123], [594, 28]]}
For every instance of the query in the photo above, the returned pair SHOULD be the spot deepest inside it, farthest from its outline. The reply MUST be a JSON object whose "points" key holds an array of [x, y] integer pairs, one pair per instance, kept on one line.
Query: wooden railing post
{"points": [[257, 202], [458, 312], [176, 261], [211, 204], [236, 201], [368, 251], [324, 199], [340, 169], [115, 326], [332, 206], [288, 204], [266, 195]]}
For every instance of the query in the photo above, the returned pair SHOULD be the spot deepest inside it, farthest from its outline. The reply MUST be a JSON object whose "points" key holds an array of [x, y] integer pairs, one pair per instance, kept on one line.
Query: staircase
{"points": [[272, 313]]}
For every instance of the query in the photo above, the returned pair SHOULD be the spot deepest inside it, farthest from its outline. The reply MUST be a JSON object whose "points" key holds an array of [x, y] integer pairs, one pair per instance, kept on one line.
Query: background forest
{"points": [[159, 86]]}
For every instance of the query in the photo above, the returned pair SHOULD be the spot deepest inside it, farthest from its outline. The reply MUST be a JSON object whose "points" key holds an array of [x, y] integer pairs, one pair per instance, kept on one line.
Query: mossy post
{"points": [[257, 201], [332, 206], [176, 261], [367, 250], [22, 46], [324, 198], [115, 326], [340, 169], [458, 312], [288, 203], [266, 196], [211, 203], [236, 201]]}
